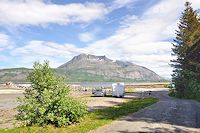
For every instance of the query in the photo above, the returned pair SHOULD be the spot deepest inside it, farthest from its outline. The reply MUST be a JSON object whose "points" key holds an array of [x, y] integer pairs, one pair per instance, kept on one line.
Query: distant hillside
{"points": [[100, 68], [14, 74], [90, 68]]}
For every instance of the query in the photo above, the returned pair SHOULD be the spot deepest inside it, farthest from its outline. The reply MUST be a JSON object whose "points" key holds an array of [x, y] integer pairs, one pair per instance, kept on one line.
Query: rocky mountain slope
{"points": [[108, 69], [90, 68]]}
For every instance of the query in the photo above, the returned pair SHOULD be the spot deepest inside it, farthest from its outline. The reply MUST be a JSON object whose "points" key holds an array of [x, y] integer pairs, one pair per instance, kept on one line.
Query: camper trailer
{"points": [[118, 90]]}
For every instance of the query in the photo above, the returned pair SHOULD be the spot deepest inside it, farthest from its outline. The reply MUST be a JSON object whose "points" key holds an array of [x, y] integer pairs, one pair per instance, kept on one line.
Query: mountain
{"points": [[14, 74], [105, 69], [90, 68]]}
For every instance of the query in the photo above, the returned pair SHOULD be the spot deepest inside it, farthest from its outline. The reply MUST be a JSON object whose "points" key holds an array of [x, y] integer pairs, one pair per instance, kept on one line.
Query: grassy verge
{"points": [[92, 120]]}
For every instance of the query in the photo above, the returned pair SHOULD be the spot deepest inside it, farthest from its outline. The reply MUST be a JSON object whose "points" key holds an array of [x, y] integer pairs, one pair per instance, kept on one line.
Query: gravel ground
{"points": [[169, 115], [95, 103], [7, 109], [9, 96]]}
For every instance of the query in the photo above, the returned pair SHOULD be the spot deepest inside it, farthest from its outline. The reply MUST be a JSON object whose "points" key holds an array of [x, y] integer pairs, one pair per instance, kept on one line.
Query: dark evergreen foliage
{"points": [[186, 48]]}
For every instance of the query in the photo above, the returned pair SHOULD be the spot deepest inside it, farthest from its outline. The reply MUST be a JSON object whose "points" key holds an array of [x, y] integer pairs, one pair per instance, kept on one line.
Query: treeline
{"points": [[186, 48]]}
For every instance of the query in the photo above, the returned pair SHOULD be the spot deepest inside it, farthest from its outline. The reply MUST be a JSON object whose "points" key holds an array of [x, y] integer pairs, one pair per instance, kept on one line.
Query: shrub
{"points": [[48, 100]]}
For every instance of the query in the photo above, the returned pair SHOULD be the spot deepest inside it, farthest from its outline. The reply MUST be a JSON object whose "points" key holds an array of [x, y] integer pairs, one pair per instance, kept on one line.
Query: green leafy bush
{"points": [[48, 100]]}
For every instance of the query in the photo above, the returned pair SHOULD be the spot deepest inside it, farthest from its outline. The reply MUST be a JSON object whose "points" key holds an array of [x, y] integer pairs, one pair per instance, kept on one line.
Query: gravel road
{"points": [[169, 115]]}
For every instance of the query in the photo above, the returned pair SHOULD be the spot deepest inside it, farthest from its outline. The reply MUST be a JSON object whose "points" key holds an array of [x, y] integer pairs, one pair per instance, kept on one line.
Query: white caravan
{"points": [[118, 90]]}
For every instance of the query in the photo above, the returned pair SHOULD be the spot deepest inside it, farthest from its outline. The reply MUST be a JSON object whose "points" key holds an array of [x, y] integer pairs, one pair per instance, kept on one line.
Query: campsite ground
{"points": [[8, 102], [168, 115]]}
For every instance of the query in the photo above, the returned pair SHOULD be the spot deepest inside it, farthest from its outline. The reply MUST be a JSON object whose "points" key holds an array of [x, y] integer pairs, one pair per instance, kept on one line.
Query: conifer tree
{"points": [[186, 36], [193, 71]]}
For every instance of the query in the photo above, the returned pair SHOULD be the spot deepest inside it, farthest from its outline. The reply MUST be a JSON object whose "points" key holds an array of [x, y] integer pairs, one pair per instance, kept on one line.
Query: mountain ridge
{"points": [[101, 65], [90, 68]]}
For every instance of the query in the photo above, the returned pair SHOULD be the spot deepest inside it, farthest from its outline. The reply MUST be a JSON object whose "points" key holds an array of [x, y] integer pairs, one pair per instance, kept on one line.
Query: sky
{"points": [[139, 31]]}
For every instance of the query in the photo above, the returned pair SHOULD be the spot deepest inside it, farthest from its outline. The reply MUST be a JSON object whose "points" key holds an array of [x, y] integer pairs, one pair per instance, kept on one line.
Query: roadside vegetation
{"points": [[47, 102], [92, 120], [186, 49]]}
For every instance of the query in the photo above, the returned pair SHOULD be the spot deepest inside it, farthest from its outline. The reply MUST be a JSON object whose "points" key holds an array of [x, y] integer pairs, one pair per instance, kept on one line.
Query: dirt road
{"points": [[168, 115]]}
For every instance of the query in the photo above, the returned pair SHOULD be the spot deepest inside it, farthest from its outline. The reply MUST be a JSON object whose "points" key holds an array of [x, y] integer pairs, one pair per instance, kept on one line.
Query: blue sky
{"points": [[139, 31]]}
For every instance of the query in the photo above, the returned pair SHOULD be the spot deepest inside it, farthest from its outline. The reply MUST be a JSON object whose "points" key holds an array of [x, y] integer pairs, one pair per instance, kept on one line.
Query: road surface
{"points": [[169, 115]]}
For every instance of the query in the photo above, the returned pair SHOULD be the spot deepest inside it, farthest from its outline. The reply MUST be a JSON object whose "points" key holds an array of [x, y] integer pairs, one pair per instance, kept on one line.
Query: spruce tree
{"points": [[193, 71], [186, 36]]}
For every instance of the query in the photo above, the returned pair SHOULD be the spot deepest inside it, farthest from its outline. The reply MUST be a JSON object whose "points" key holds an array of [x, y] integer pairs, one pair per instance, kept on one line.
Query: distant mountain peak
{"points": [[90, 57], [101, 66], [91, 68]]}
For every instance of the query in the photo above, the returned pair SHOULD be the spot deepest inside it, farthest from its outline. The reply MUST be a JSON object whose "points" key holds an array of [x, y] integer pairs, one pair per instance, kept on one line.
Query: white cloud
{"points": [[143, 39], [127, 19], [37, 12], [36, 50], [86, 37], [51, 49], [140, 39], [5, 42], [195, 4], [116, 4]]}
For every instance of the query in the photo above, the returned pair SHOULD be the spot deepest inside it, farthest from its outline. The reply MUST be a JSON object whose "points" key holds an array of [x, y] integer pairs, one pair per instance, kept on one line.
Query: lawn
{"points": [[92, 120]]}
